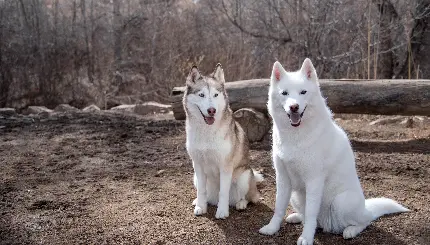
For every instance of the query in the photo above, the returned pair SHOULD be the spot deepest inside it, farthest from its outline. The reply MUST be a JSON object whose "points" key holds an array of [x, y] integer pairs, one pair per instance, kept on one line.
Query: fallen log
{"points": [[384, 97]]}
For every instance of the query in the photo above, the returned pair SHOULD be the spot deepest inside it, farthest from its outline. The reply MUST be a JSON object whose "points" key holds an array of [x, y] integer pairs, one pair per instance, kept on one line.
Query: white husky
{"points": [[314, 162], [217, 146]]}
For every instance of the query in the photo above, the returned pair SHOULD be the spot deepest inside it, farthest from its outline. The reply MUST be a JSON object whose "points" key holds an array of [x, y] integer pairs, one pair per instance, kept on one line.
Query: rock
{"points": [[151, 107], [36, 110], [415, 121], [143, 108], [159, 173], [7, 112], [123, 108], [419, 118], [123, 100], [408, 122], [387, 120], [91, 108], [45, 114], [254, 123], [65, 108]]}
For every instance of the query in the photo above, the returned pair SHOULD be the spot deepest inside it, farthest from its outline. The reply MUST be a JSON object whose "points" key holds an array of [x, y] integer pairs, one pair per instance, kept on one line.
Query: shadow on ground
{"points": [[421, 145]]}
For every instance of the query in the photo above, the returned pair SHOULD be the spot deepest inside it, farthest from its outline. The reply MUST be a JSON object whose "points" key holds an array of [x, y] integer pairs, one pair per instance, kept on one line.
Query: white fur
{"points": [[314, 163], [258, 176], [196, 103], [212, 176], [208, 149]]}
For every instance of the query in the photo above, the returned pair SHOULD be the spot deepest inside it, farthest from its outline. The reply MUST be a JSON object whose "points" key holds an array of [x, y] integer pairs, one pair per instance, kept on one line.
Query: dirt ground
{"points": [[120, 179]]}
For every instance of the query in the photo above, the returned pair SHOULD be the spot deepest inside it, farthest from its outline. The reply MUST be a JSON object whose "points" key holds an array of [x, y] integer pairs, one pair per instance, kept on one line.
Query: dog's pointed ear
{"points": [[218, 73], [193, 76], [308, 70], [278, 72]]}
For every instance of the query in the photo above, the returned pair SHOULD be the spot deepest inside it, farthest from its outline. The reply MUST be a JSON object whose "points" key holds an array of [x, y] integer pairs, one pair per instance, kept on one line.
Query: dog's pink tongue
{"points": [[295, 118], [209, 120]]}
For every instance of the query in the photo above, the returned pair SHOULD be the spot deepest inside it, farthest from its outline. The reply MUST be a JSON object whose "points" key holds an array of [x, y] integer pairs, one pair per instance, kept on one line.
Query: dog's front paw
{"points": [[199, 210], [294, 218], [241, 205], [352, 231], [222, 212], [304, 241], [269, 229], [195, 202]]}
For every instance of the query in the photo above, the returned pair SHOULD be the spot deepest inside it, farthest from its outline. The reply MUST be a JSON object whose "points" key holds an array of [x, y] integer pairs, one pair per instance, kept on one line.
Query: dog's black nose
{"points": [[294, 107], [211, 111]]}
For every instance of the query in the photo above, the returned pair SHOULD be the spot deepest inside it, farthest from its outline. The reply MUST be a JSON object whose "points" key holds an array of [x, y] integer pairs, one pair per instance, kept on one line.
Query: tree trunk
{"points": [[117, 30], [389, 22], [76, 60], [87, 42], [387, 97], [419, 42]]}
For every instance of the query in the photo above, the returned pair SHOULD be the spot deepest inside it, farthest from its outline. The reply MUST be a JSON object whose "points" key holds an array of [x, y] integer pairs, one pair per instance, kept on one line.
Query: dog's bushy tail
{"points": [[258, 176], [382, 206]]}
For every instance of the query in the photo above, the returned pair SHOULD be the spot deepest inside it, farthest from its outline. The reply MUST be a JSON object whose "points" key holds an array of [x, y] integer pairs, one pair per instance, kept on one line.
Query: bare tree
{"points": [[419, 42], [113, 52]]}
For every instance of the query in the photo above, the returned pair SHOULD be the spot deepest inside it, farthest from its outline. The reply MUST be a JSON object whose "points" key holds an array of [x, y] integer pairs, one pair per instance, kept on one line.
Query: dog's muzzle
{"points": [[208, 119], [296, 117]]}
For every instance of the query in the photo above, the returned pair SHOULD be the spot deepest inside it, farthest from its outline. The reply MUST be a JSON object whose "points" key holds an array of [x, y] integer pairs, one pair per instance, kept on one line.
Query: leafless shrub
{"points": [[97, 51]]}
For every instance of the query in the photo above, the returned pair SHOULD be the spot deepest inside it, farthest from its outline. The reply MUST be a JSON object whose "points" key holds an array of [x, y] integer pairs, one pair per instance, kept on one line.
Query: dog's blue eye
{"points": [[303, 92], [215, 95], [284, 93], [202, 95]]}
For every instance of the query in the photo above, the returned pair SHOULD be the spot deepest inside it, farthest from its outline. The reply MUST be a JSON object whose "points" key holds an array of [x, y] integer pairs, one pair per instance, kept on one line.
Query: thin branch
{"points": [[253, 34]]}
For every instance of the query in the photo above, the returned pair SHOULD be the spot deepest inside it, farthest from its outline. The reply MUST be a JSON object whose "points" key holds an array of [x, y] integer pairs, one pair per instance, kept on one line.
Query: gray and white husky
{"points": [[217, 146]]}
